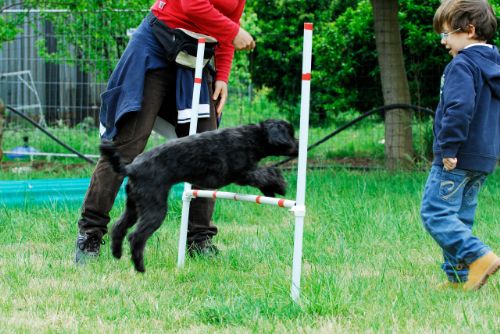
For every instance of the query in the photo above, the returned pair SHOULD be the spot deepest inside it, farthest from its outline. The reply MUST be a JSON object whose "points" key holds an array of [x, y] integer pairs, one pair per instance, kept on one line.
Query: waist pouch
{"points": [[181, 45]]}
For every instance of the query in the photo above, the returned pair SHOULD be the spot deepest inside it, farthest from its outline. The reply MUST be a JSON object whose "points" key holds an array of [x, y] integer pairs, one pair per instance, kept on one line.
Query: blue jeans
{"points": [[448, 208]]}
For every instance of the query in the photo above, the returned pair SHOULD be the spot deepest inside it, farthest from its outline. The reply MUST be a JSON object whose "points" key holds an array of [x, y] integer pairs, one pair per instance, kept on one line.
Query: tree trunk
{"points": [[2, 115], [398, 133]]}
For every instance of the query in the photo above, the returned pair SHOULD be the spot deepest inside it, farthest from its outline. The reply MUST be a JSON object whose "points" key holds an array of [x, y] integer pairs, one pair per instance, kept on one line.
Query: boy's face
{"points": [[456, 40]]}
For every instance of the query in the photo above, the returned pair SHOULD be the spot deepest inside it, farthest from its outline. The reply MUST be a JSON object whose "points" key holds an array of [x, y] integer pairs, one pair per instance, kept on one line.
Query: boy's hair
{"points": [[459, 14]]}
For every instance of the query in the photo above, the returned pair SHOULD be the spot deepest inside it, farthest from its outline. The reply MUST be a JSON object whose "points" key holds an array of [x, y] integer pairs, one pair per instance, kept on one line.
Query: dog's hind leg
{"points": [[152, 211], [120, 228], [268, 180]]}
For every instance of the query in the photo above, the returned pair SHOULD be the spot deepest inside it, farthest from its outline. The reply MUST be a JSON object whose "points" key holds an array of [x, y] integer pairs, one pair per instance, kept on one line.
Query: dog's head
{"points": [[280, 138]]}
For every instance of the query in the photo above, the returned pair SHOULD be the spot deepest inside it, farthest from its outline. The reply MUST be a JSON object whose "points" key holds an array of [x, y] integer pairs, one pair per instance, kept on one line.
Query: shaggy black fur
{"points": [[210, 160]]}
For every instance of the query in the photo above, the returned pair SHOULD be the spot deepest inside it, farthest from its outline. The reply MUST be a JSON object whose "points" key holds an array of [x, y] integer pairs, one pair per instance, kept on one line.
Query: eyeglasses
{"points": [[444, 35]]}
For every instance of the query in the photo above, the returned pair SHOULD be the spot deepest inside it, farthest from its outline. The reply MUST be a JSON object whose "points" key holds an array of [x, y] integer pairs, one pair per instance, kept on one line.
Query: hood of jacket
{"points": [[487, 59]]}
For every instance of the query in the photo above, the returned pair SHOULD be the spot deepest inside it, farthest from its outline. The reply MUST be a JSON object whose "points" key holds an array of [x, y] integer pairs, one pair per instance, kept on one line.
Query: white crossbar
{"points": [[281, 202]]}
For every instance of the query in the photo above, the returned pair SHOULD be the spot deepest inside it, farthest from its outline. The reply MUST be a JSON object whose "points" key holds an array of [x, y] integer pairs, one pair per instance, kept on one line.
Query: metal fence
{"points": [[56, 68], [49, 75]]}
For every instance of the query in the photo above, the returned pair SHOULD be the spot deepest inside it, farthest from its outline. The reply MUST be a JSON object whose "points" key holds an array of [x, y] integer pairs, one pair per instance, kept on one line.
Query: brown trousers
{"points": [[134, 130]]}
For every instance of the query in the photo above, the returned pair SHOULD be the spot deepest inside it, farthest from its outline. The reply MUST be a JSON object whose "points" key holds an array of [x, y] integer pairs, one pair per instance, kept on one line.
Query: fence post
{"points": [[2, 116]]}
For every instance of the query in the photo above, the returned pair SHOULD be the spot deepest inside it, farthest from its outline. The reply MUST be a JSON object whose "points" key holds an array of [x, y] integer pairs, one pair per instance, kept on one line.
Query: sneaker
{"points": [[87, 246], [203, 248], [480, 270]]}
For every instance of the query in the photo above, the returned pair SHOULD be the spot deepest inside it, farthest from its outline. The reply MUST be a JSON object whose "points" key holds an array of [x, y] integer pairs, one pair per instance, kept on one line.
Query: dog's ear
{"points": [[278, 132]]}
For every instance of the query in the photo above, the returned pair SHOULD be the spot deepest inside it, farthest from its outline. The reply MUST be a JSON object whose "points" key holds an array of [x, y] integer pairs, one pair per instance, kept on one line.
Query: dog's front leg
{"points": [[268, 180]]}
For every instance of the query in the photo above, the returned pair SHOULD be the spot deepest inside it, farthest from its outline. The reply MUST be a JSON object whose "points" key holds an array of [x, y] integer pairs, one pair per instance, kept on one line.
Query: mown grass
{"points": [[368, 266]]}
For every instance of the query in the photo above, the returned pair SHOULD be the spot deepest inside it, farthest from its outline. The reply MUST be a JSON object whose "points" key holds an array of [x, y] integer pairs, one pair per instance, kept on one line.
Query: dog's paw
{"points": [[268, 192], [280, 186], [116, 249], [139, 265], [271, 190], [274, 183]]}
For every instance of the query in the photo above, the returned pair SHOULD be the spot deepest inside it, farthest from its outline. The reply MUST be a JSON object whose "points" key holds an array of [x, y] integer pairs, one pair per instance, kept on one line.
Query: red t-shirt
{"points": [[217, 18]]}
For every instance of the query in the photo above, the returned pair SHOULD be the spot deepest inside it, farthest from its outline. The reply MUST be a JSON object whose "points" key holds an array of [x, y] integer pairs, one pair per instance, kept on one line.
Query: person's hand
{"points": [[220, 94], [243, 40], [449, 163]]}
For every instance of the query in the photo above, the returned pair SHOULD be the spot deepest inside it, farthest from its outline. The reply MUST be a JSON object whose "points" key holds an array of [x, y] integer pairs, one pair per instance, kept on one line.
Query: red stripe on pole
{"points": [[214, 194], [201, 40], [235, 197], [195, 193], [306, 76], [257, 200], [308, 26], [281, 202], [197, 80]]}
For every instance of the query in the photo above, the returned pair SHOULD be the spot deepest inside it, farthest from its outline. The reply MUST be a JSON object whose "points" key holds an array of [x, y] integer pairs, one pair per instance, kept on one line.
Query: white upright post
{"points": [[186, 199], [300, 209]]}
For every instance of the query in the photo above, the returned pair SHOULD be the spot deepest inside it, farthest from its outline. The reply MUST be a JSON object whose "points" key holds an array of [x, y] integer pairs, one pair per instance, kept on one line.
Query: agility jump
{"points": [[297, 206]]}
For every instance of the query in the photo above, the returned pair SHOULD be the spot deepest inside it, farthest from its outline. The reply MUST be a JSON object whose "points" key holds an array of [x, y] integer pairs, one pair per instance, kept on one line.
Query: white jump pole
{"points": [[300, 209], [186, 198]]}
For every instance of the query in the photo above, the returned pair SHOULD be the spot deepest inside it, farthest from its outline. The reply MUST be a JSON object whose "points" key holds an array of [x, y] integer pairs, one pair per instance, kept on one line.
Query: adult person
{"points": [[146, 84]]}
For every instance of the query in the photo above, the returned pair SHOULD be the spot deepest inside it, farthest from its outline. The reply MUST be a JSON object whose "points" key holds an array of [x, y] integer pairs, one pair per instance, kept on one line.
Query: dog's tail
{"points": [[109, 151]]}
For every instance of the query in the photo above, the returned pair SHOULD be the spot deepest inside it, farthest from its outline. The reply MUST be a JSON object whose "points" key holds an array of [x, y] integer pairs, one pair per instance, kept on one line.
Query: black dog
{"points": [[211, 160]]}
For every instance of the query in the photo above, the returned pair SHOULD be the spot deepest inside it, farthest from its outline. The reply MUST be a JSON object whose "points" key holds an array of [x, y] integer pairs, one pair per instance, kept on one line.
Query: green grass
{"points": [[368, 266]]}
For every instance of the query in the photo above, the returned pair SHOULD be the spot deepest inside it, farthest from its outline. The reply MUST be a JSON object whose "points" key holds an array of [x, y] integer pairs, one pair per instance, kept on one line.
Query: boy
{"points": [[467, 140]]}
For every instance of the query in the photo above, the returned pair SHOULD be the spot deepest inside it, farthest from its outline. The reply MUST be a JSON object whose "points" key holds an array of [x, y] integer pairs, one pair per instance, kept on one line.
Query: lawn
{"points": [[368, 266]]}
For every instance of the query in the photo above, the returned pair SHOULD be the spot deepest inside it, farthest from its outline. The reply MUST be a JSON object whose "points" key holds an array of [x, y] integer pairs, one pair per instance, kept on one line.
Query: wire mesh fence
{"points": [[55, 73], [55, 70]]}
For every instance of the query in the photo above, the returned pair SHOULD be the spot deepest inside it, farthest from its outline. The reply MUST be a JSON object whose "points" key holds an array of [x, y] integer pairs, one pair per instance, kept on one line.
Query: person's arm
{"points": [[211, 21], [458, 110], [227, 31], [242, 41], [232, 37]]}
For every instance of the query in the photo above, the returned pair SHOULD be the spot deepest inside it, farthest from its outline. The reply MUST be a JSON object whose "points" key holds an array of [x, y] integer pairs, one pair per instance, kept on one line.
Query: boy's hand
{"points": [[450, 163]]}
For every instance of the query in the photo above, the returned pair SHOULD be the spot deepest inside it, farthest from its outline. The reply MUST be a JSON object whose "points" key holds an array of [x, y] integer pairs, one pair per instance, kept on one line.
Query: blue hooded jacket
{"points": [[467, 121]]}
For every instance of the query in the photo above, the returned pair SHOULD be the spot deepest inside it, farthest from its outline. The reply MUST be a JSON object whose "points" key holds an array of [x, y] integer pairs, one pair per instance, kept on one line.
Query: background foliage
{"points": [[345, 69]]}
